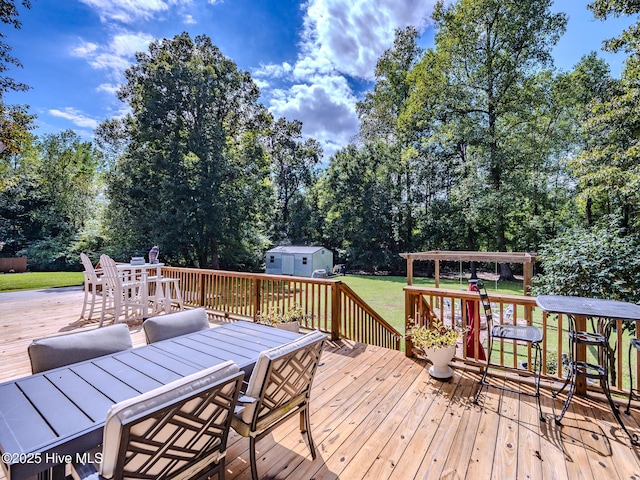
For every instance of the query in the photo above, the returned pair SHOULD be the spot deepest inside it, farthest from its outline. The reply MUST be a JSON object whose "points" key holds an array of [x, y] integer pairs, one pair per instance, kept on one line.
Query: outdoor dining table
{"points": [[54, 417], [606, 312]]}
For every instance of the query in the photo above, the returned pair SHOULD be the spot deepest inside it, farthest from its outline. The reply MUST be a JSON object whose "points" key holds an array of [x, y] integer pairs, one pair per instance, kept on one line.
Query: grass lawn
{"points": [[385, 295], [12, 282]]}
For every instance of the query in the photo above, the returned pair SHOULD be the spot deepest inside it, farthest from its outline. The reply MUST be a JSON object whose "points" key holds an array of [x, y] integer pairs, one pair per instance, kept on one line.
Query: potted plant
{"points": [[289, 320], [437, 343]]}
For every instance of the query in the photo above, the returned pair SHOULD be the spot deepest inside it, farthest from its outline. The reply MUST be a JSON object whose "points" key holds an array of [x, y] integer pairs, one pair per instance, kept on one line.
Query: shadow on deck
{"points": [[377, 414]]}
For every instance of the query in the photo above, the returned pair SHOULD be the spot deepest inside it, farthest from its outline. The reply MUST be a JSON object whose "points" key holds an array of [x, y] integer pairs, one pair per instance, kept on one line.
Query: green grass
{"points": [[385, 294], [13, 282]]}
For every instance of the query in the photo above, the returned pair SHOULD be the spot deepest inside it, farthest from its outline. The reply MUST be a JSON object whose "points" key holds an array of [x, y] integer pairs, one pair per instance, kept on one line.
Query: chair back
{"points": [[486, 303], [60, 350], [174, 324], [88, 267], [281, 380], [110, 271], [176, 431]]}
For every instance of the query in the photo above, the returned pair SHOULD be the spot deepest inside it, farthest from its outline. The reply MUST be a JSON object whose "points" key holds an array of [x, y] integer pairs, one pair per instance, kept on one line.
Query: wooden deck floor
{"points": [[376, 414]]}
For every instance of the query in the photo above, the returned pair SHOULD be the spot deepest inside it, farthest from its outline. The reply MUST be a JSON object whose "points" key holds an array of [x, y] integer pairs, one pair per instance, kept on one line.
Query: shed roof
{"points": [[295, 249]]}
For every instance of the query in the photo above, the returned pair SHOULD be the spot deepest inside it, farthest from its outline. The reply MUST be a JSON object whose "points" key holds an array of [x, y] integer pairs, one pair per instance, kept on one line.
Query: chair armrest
{"points": [[84, 471], [246, 399]]}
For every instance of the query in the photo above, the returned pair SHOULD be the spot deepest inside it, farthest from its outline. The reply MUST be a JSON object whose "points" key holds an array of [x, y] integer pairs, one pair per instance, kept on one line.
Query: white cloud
{"points": [[189, 20], [116, 56], [108, 88], [273, 70], [75, 116], [126, 11], [85, 49], [340, 39], [351, 36]]}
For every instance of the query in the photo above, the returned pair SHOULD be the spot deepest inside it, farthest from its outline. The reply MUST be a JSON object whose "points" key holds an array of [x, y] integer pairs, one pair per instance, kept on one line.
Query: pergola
{"points": [[527, 260]]}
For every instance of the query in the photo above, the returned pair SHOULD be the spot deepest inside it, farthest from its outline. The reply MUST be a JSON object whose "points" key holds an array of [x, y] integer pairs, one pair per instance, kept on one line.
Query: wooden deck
{"points": [[376, 414]]}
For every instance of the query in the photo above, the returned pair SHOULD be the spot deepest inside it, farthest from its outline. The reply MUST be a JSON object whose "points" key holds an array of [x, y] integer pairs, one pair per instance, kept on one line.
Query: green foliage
{"points": [[188, 171], [15, 121], [359, 210], [601, 262], [436, 335], [47, 199], [293, 162], [293, 314]]}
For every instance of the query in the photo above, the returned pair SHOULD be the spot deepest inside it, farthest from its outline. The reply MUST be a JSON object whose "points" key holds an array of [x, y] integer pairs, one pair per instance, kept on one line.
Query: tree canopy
{"points": [[191, 176]]}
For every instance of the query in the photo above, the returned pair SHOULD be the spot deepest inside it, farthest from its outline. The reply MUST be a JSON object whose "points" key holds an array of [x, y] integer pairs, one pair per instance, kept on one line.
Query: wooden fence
{"points": [[455, 307], [330, 305], [13, 265]]}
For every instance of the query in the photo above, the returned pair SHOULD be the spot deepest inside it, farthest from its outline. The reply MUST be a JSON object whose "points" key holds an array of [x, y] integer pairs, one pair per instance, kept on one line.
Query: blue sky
{"points": [[312, 60]]}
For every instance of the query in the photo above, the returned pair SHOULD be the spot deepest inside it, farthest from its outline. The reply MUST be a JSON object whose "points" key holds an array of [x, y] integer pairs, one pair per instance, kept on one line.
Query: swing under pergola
{"points": [[526, 259]]}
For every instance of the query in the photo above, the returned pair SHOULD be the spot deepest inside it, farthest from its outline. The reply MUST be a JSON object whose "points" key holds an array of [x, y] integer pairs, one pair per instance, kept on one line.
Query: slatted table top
{"points": [[62, 411]]}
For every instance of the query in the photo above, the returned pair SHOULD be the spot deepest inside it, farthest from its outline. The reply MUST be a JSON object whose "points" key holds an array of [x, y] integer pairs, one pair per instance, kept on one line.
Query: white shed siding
{"points": [[305, 260]]}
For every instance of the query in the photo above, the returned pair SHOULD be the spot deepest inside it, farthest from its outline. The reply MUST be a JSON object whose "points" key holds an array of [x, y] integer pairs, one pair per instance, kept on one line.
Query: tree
{"points": [[48, 199], [608, 169], [192, 176], [293, 162], [488, 53], [358, 211], [15, 121], [379, 114]]}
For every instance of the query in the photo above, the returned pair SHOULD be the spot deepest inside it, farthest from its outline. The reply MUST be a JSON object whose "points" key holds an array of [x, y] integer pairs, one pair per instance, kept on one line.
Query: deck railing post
{"points": [[336, 309], [257, 297], [201, 292], [408, 313]]}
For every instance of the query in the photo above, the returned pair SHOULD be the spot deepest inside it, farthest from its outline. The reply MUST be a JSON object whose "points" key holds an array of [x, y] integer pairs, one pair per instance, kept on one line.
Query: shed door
{"points": [[287, 264]]}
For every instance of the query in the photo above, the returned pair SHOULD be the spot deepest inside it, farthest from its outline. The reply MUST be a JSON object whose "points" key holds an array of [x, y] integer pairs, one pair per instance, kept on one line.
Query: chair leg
{"points": [[84, 305], [538, 362], [252, 458], [305, 427], [483, 381], [628, 410], [221, 468]]}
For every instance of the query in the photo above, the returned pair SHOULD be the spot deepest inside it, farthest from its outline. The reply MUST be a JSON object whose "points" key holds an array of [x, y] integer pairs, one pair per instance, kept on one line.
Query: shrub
{"points": [[601, 262]]}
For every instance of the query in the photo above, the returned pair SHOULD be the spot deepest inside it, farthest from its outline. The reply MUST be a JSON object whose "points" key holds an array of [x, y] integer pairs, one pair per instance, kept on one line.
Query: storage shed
{"points": [[298, 261]]}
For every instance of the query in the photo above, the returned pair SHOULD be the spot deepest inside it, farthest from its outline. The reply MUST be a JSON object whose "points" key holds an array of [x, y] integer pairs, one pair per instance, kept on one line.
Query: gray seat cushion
{"points": [[60, 350], [175, 324]]}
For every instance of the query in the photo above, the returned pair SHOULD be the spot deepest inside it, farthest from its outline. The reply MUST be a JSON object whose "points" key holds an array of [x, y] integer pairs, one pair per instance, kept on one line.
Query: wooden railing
{"points": [[455, 307], [330, 305]]}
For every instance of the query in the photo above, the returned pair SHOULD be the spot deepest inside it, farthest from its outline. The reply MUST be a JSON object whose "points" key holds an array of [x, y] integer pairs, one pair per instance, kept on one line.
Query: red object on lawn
{"points": [[471, 316]]}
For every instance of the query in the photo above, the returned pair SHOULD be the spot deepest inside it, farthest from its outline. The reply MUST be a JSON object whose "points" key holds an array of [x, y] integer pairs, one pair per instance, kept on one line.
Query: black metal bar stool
{"points": [[524, 334], [634, 343], [585, 369]]}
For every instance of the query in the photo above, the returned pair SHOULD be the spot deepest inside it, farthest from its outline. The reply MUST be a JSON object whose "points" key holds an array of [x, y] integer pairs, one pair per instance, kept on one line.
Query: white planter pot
{"points": [[440, 358], [290, 326]]}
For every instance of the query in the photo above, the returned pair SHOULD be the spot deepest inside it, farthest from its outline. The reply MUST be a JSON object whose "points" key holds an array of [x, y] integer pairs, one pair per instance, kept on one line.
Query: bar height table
{"points": [[578, 309]]}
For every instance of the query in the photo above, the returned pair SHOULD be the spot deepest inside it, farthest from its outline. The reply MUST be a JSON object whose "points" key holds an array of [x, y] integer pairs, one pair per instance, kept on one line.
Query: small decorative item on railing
{"points": [[137, 261], [153, 254], [437, 343]]}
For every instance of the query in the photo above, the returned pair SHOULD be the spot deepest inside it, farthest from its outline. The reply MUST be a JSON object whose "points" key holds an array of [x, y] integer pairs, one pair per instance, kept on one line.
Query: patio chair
{"points": [[279, 388], [178, 431], [60, 350], [123, 294], [525, 334], [92, 285], [172, 325]]}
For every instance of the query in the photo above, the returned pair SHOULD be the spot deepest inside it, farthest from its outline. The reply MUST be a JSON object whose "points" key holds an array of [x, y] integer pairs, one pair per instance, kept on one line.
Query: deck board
{"points": [[376, 415]]}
